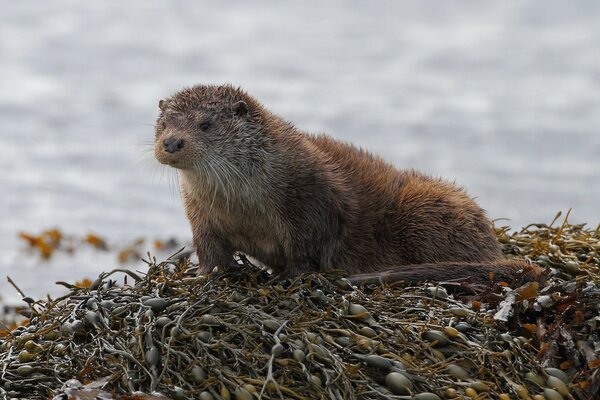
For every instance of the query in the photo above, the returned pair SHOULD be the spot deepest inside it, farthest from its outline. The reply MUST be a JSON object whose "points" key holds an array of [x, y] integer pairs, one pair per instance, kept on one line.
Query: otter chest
{"points": [[246, 230]]}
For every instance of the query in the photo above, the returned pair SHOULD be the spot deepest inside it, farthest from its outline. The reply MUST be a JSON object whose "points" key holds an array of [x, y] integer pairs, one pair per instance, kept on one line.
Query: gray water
{"points": [[502, 97]]}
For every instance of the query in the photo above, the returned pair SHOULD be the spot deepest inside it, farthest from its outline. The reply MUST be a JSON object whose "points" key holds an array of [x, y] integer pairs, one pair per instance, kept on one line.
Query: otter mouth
{"points": [[170, 160], [175, 164]]}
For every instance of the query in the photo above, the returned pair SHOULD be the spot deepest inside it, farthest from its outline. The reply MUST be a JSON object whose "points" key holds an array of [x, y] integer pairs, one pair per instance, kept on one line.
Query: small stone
{"points": [[398, 383], [437, 291]]}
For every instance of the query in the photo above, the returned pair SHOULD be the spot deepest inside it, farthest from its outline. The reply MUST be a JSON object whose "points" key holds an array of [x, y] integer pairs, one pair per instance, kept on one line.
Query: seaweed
{"points": [[238, 332]]}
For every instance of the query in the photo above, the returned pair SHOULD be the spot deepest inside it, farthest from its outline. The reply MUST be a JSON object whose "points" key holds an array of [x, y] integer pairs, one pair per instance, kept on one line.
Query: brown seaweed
{"points": [[239, 333]]}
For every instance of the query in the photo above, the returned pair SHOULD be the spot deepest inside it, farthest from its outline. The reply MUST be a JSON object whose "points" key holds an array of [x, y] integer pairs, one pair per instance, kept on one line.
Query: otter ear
{"points": [[162, 105], [240, 109]]}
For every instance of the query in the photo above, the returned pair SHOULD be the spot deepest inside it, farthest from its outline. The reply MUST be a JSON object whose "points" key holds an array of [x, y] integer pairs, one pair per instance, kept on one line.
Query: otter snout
{"points": [[177, 149], [173, 145]]}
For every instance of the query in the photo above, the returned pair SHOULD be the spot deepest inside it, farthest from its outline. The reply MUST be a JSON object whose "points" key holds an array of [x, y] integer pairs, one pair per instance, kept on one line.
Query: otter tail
{"points": [[514, 272]]}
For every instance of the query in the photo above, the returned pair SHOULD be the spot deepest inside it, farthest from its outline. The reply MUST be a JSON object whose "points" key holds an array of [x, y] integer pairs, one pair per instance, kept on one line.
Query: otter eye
{"points": [[204, 126]]}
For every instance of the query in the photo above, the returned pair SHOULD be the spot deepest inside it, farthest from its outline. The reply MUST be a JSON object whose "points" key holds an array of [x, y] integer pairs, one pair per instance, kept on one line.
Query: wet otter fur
{"points": [[254, 183]]}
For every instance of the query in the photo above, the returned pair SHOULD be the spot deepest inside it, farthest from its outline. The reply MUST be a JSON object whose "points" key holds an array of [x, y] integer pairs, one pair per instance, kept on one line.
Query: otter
{"points": [[253, 183]]}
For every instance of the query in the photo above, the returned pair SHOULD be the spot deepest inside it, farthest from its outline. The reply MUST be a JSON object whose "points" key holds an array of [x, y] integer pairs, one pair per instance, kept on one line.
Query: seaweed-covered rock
{"points": [[238, 333]]}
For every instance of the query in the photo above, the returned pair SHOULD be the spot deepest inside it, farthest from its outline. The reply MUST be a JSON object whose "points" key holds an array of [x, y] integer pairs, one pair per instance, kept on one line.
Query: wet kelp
{"points": [[238, 333]]}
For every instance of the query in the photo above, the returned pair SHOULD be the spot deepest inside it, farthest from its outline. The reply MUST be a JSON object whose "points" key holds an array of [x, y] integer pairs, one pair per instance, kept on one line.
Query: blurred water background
{"points": [[503, 97]]}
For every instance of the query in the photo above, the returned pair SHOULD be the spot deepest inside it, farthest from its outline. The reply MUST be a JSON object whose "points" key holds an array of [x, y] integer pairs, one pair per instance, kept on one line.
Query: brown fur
{"points": [[254, 183]]}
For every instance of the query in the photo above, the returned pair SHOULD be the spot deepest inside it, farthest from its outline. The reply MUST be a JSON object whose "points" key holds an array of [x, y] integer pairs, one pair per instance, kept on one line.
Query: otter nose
{"points": [[173, 145]]}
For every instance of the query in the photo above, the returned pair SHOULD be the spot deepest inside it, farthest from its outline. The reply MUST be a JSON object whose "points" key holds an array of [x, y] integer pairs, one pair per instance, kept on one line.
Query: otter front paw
{"points": [[212, 253], [206, 262], [205, 269]]}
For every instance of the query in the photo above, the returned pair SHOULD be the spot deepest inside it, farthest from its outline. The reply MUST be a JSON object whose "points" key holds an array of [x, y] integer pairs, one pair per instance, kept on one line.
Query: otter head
{"points": [[205, 128]]}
